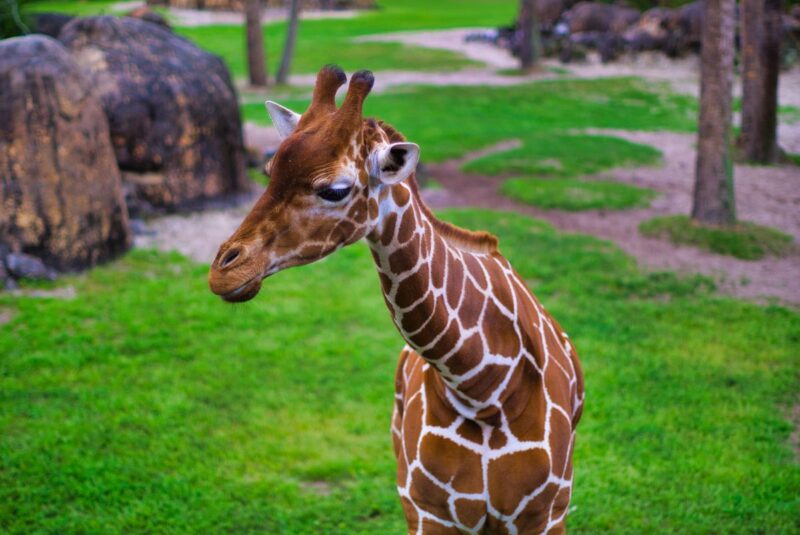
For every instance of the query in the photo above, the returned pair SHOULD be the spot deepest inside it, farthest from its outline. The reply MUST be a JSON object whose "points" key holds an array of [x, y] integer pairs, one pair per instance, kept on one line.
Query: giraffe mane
{"points": [[480, 242]]}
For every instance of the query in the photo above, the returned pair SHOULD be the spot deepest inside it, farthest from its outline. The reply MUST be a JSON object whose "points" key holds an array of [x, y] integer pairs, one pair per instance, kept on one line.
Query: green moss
{"points": [[744, 240], [575, 195]]}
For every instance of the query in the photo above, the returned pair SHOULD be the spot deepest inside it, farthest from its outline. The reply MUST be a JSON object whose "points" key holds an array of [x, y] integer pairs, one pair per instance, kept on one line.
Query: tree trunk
{"points": [[761, 30], [713, 193], [256, 62], [288, 48], [530, 41]]}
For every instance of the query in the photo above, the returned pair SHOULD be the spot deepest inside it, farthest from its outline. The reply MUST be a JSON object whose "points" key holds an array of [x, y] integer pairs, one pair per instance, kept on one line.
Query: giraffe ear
{"points": [[394, 163], [284, 119]]}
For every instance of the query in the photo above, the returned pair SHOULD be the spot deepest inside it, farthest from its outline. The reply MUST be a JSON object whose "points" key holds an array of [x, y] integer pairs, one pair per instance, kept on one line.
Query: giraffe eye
{"points": [[336, 193]]}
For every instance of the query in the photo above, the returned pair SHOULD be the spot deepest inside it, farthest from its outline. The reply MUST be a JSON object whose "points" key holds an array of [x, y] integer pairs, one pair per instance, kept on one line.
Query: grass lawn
{"points": [[574, 194], [745, 240], [146, 405]]}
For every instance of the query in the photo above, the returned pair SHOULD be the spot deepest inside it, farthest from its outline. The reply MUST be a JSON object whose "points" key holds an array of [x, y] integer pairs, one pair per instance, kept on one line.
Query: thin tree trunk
{"points": [[530, 38], [256, 62], [288, 49], [713, 193], [761, 30]]}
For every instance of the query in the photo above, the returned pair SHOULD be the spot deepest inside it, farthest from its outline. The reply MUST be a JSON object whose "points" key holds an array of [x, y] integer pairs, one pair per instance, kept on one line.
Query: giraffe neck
{"points": [[453, 301]]}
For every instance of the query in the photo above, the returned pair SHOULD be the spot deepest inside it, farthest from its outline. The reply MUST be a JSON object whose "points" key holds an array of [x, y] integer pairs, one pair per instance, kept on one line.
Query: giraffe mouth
{"points": [[245, 292]]}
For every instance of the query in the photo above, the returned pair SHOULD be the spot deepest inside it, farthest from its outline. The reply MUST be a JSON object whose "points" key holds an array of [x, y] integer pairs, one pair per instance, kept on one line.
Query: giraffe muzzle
{"points": [[236, 275], [243, 293]]}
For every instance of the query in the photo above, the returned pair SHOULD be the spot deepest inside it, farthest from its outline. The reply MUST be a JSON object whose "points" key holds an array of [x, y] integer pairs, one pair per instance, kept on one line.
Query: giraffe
{"points": [[489, 388]]}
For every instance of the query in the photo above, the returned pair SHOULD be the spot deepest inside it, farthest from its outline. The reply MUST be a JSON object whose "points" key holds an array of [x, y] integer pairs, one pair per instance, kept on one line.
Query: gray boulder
{"points": [[171, 107]]}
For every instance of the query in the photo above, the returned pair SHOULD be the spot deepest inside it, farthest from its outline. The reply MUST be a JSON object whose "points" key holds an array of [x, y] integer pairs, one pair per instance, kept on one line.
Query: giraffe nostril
{"points": [[229, 257]]}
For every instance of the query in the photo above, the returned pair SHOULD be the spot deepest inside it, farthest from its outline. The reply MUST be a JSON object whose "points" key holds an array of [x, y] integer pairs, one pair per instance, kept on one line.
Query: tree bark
{"points": [[291, 37], [761, 30], [713, 193], [530, 40], [256, 62]]}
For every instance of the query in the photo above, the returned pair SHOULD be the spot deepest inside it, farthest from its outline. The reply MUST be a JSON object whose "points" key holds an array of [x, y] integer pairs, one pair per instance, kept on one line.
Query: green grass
{"points": [[449, 121], [146, 405], [575, 195], [257, 175], [745, 240], [74, 7]]}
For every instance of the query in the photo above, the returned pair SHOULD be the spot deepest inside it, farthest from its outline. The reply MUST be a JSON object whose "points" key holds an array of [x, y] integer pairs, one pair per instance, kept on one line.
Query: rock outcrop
{"points": [[61, 196], [171, 108]]}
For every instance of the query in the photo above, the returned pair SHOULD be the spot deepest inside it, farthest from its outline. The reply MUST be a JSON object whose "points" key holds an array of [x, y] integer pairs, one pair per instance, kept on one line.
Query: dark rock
{"points": [[549, 11], [651, 31], [60, 189], [597, 17], [686, 29], [24, 266], [49, 23], [172, 108]]}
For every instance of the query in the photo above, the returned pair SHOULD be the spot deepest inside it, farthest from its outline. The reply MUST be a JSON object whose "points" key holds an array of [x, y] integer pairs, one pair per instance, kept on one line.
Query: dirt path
{"points": [[765, 195]]}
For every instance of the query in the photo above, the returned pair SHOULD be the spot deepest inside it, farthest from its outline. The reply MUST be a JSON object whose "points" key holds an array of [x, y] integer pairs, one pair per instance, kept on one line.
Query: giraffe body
{"points": [[489, 388]]}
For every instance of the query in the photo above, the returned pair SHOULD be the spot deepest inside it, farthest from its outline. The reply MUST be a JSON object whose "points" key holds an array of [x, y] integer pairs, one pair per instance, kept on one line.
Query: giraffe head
{"points": [[325, 179]]}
